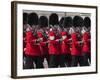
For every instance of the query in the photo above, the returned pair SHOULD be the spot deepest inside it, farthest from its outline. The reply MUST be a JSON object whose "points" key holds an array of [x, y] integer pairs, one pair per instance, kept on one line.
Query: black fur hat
{"points": [[25, 18], [68, 22], [43, 21], [33, 19], [87, 22], [53, 19], [78, 21], [61, 22]]}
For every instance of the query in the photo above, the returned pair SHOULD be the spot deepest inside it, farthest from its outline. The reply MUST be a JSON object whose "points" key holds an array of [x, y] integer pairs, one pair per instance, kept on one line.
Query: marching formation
{"points": [[53, 42]]}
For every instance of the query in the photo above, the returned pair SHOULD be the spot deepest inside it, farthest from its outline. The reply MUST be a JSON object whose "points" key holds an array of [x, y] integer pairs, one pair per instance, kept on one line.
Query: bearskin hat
{"points": [[68, 22], [53, 19], [25, 18], [87, 22], [78, 21], [43, 21], [33, 19]]}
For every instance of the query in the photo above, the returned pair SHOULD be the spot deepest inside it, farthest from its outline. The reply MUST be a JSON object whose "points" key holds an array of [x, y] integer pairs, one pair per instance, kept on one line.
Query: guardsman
{"points": [[86, 51], [33, 54], [54, 24], [28, 62], [43, 24], [76, 52], [54, 55], [44, 48], [65, 50]]}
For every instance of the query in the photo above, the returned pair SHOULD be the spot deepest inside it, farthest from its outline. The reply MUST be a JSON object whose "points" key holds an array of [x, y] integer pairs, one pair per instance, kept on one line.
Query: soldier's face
{"points": [[64, 37], [71, 30], [41, 39], [83, 30], [52, 37]]}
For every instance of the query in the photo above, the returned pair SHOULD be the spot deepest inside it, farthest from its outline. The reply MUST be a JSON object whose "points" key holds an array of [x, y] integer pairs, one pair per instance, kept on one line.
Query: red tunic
{"points": [[53, 47], [53, 44], [58, 46], [86, 46], [31, 47], [28, 46], [65, 46], [29, 36], [76, 47], [42, 44], [43, 47], [36, 48]]}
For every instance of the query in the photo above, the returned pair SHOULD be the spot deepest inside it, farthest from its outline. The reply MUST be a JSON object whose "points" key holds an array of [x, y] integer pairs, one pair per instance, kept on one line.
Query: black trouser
{"points": [[68, 60], [46, 56], [54, 61], [89, 56], [86, 57], [65, 60], [77, 60], [28, 62], [62, 60]]}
